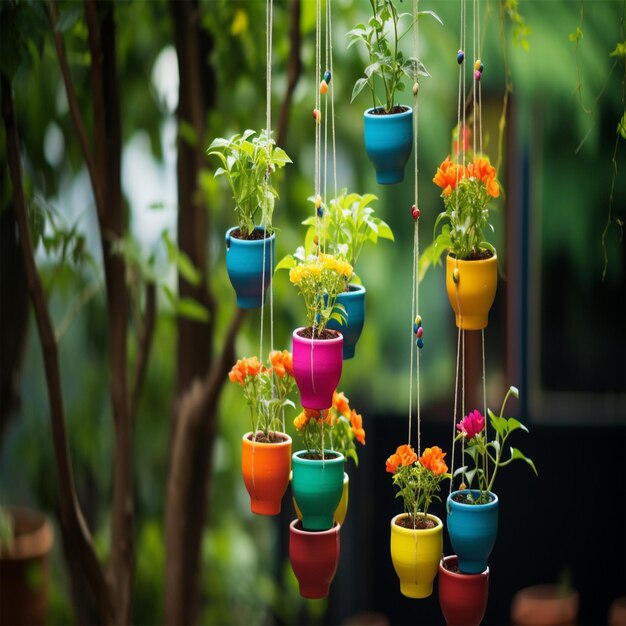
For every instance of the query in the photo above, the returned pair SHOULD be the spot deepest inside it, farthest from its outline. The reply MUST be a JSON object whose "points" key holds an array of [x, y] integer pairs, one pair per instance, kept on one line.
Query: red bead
{"points": [[415, 212]]}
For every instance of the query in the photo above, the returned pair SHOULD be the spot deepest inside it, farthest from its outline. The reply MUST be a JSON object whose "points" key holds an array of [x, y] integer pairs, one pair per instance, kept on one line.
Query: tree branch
{"points": [[145, 343], [73, 105], [71, 516], [293, 71], [196, 413]]}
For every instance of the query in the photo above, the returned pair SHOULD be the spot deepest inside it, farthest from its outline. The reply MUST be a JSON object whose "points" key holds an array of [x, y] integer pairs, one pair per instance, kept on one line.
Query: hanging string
{"points": [[485, 401], [456, 398], [332, 90]]}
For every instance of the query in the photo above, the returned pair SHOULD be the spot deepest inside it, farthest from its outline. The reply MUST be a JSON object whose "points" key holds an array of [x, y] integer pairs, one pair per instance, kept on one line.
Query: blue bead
{"points": [[415, 327], [327, 76], [320, 212], [460, 55], [420, 343]]}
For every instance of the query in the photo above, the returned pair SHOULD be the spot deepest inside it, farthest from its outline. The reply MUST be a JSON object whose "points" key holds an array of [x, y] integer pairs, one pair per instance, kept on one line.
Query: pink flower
{"points": [[471, 424]]}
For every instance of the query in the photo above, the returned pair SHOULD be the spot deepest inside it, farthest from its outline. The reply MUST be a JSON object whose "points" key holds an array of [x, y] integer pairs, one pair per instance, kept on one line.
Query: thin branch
{"points": [[145, 344], [73, 105], [71, 516], [293, 71]]}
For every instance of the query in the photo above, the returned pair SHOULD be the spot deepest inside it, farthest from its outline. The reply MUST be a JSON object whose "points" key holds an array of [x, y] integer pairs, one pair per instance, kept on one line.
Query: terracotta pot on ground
{"points": [[25, 568], [265, 468], [545, 605], [472, 295], [462, 597], [314, 557]]}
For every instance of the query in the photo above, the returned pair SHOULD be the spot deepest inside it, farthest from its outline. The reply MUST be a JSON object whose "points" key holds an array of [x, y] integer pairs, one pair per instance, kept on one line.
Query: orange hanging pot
{"points": [[471, 287], [266, 468]]}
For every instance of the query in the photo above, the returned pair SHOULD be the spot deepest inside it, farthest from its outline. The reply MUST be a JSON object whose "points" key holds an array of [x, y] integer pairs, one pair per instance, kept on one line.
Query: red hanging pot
{"points": [[317, 365], [314, 556], [462, 597]]}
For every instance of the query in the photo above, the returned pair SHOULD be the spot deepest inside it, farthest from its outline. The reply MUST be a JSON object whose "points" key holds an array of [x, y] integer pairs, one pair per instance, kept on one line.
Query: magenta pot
{"points": [[314, 556], [462, 597], [317, 367]]}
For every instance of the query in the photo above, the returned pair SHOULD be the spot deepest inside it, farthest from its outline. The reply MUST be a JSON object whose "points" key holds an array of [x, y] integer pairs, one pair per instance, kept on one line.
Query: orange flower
{"points": [[301, 420], [356, 422], [446, 175], [320, 416], [253, 366], [340, 404], [282, 363], [238, 372], [493, 189], [481, 169], [432, 459], [407, 454], [392, 463]]}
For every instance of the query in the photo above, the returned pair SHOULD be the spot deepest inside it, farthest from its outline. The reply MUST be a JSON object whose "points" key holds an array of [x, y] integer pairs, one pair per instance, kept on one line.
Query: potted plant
{"points": [[318, 351], [471, 264], [266, 452], [462, 597], [247, 162], [416, 535], [342, 426], [388, 126], [473, 513], [26, 539], [346, 225]]}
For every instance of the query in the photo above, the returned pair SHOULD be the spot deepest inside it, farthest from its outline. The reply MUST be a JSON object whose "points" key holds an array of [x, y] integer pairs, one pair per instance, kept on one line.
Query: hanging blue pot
{"points": [[472, 529], [388, 142], [244, 263], [354, 303]]}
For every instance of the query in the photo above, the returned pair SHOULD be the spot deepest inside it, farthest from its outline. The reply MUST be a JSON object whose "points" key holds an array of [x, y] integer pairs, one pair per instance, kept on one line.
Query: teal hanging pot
{"points": [[472, 529], [317, 487], [388, 143], [246, 260], [354, 303]]}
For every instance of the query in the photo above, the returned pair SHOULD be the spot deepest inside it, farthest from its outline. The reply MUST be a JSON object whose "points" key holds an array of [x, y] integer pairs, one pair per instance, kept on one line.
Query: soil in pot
{"points": [[465, 498], [316, 456], [481, 255], [255, 235], [421, 523], [396, 109], [271, 437], [307, 333]]}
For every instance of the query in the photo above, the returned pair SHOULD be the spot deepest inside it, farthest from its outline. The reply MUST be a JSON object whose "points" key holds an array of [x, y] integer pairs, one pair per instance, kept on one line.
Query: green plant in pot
{"points": [[473, 513], [345, 226], [388, 125], [247, 161], [471, 263]]}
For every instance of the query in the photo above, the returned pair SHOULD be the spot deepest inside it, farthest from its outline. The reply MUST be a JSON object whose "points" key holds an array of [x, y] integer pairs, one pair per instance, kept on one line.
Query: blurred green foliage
{"points": [[242, 583]]}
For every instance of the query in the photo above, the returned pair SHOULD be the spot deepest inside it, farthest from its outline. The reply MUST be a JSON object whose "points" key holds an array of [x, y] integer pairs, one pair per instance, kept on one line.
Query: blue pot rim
{"points": [[339, 458], [354, 291], [464, 505], [408, 111], [248, 242]]}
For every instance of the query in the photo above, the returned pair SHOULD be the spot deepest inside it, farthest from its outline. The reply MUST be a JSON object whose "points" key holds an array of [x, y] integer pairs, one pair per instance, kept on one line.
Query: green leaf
{"points": [[432, 14], [620, 50], [518, 454], [621, 127], [513, 424], [187, 269], [358, 87], [68, 17], [192, 309], [187, 133], [576, 35], [286, 263]]}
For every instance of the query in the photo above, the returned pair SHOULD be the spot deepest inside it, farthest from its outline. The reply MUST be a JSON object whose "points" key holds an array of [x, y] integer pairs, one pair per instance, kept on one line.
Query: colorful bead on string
{"points": [[416, 87], [460, 56], [456, 275], [317, 116], [418, 330], [327, 77], [415, 212], [323, 87]]}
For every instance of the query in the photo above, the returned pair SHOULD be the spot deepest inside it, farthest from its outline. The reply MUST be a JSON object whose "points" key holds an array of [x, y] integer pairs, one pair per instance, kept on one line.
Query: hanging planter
{"points": [[314, 557], [471, 287], [342, 508], [353, 301], [472, 529], [388, 141], [317, 486], [462, 597], [249, 263], [266, 468], [317, 365], [415, 554]]}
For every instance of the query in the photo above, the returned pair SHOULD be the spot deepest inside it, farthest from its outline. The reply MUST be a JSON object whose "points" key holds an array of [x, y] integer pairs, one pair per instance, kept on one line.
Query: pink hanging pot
{"points": [[317, 365]]}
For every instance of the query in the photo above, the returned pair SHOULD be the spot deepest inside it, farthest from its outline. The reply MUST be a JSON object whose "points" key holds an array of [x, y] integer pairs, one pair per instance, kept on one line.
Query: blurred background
{"points": [[557, 330]]}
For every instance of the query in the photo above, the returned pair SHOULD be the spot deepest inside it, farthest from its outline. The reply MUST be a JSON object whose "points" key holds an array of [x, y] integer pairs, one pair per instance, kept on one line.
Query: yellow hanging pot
{"points": [[415, 554], [471, 287]]}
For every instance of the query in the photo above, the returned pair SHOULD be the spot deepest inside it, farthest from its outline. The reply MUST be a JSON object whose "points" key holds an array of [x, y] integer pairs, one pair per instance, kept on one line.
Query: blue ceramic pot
{"points": [[354, 303], [388, 142], [244, 264], [317, 488], [472, 529]]}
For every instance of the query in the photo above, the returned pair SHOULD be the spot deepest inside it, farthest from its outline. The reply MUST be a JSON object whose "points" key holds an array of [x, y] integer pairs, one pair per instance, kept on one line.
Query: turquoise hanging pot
{"points": [[472, 529], [245, 264], [388, 143], [317, 487], [354, 303]]}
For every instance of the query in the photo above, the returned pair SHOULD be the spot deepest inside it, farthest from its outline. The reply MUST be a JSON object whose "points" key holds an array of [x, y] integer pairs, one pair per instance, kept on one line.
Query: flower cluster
{"points": [[266, 389], [418, 479], [320, 280], [335, 428], [466, 192], [481, 451]]}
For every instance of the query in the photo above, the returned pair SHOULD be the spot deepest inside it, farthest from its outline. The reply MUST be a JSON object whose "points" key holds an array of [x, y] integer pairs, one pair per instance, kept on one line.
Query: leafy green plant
{"points": [[347, 224], [247, 162], [6, 532], [381, 37], [482, 452]]}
